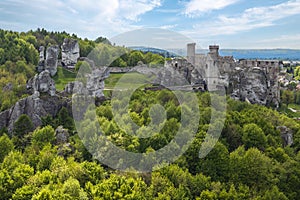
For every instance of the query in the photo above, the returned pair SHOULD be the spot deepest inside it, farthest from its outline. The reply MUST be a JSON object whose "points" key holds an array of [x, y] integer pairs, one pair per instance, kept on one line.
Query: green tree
{"points": [[6, 146], [253, 136], [22, 126], [274, 194], [287, 97], [65, 119], [24, 193], [251, 168], [43, 136], [135, 57], [216, 163], [119, 62]]}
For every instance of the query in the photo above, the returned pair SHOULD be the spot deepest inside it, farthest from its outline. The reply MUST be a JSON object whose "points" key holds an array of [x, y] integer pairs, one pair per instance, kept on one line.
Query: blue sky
{"points": [[229, 23]]}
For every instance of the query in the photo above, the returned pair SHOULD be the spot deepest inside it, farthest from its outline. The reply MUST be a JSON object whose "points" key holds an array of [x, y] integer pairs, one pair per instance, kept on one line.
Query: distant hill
{"points": [[163, 52], [270, 54], [267, 54]]}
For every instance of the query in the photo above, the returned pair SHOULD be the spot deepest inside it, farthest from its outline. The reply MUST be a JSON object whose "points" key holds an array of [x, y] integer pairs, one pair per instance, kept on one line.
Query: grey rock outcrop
{"points": [[8, 87], [254, 81], [42, 53], [93, 84], [42, 83], [52, 59], [286, 135], [61, 135], [33, 106], [95, 81], [70, 52], [41, 65]]}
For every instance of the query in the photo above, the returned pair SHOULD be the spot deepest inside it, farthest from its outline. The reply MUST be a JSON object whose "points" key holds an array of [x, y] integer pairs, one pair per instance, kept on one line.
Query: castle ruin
{"points": [[254, 81]]}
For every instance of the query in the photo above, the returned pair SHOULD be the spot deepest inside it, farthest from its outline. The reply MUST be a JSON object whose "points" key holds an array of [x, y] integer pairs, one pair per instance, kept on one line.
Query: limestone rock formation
{"points": [[286, 135], [42, 83], [7, 87], [255, 81], [41, 65], [33, 106], [93, 84], [70, 52], [62, 135], [42, 53], [52, 59], [95, 81]]}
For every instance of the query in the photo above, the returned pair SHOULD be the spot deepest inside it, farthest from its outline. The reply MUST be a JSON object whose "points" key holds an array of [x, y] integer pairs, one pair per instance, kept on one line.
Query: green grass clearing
{"points": [[294, 106], [63, 77], [128, 80]]}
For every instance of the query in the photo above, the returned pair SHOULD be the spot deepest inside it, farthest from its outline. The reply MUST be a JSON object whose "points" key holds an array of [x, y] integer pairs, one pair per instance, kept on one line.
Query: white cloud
{"points": [[197, 7], [89, 17], [170, 26], [283, 41], [252, 18]]}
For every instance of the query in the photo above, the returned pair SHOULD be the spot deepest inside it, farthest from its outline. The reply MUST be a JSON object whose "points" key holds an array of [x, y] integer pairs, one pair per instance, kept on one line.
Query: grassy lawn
{"points": [[284, 109], [111, 81], [63, 77], [129, 79], [294, 106]]}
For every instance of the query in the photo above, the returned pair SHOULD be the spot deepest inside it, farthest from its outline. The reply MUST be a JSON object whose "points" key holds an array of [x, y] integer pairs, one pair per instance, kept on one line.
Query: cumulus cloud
{"points": [[251, 18], [97, 16], [197, 7]]}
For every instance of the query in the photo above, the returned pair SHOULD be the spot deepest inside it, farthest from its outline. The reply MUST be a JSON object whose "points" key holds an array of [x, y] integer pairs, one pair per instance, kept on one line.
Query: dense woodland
{"points": [[248, 162]]}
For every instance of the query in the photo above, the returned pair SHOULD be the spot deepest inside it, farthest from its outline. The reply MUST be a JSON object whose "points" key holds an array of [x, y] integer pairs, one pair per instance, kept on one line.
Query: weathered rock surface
{"points": [[42, 53], [33, 106], [52, 59], [95, 81], [70, 52], [286, 135], [255, 81], [7, 87], [41, 65], [92, 85], [42, 83], [62, 135]]}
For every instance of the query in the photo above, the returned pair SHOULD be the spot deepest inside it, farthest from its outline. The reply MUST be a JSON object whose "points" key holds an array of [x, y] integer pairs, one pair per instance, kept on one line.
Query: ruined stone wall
{"points": [[255, 81]]}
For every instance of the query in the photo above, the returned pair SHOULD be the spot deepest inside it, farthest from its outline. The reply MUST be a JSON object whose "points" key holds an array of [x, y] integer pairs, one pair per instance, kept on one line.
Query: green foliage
{"points": [[297, 73], [43, 136], [22, 126], [287, 97], [253, 136], [247, 162], [6, 146], [63, 77], [65, 119]]}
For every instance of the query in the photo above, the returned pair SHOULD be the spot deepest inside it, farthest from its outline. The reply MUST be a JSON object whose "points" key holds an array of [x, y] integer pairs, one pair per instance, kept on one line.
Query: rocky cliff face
{"points": [[52, 59], [50, 63], [94, 85], [33, 106], [70, 52], [42, 83]]}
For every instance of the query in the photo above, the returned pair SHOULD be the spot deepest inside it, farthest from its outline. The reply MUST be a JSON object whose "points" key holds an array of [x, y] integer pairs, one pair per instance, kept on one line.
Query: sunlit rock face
{"points": [[35, 107], [70, 52], [52, 59], [42, 83]]}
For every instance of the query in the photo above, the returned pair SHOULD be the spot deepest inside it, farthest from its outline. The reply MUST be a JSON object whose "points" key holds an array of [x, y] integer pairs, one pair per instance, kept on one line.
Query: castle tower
{"points": [[214, 49], [191, 51]]}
